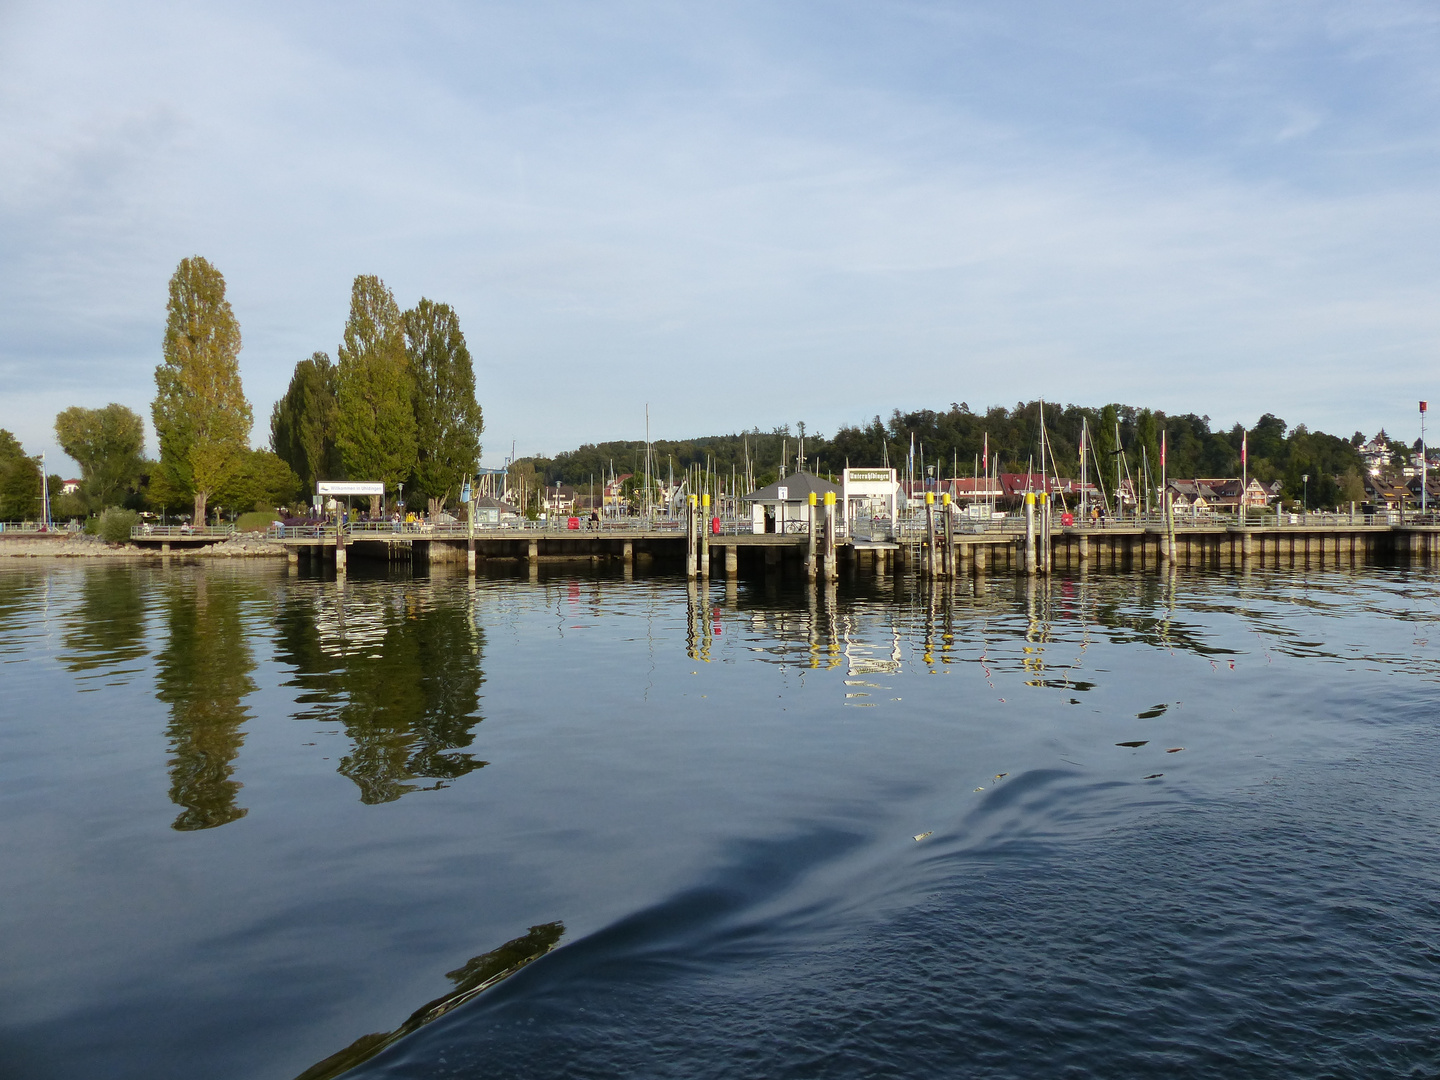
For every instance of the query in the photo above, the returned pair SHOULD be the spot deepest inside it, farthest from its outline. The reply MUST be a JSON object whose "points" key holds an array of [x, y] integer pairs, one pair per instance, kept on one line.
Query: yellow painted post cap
{"points": [[829, 498], [812, 498], [929, 497], [705, 499], [1029, 498], [945, 498]]}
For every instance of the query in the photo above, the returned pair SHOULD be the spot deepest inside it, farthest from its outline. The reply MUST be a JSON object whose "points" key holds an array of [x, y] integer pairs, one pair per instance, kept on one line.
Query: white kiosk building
{"points": [[868, 495]]}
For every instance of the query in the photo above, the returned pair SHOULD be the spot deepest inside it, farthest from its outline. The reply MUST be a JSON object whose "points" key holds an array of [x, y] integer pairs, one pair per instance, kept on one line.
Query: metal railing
{"points": [[34, 528], [180, 532]]}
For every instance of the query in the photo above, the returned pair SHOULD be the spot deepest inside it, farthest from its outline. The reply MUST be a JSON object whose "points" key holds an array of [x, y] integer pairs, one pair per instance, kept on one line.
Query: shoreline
{"points": [[249, 546]]}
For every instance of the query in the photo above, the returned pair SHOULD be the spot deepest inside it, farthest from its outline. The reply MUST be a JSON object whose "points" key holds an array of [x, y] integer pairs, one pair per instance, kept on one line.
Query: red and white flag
{"points": [[1244, 439]]}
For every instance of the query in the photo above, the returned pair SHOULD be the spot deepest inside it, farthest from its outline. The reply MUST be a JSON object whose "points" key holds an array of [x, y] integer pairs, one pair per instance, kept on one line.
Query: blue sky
{"points": [[744, 214]]}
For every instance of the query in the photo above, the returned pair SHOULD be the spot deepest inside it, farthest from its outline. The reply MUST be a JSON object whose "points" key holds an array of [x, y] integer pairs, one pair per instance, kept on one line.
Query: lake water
{"points": [[1184, 827]]}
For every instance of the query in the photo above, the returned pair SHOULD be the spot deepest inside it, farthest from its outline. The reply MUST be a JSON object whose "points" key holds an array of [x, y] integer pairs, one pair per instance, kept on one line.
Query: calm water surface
{"points": [[1166, 828]]}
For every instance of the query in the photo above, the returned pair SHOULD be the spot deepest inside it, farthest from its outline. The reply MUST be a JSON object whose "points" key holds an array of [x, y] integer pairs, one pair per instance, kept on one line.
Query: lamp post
{"points": [[1305, 492], [1424, 463]]}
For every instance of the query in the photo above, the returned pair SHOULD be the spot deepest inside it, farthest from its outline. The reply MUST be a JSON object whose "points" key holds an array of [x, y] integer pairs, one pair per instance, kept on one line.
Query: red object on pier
{"points": [[573, 523], [715, 526]]}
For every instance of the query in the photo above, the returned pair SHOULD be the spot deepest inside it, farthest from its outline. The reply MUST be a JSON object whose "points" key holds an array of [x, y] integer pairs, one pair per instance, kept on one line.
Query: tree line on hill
{"points": [[954, 440], [398, 406]]}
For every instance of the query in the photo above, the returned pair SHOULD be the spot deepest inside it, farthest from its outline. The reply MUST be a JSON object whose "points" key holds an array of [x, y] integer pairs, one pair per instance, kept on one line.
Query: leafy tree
{"points": [[261, 481], [200, 412], [1267, 438], [447, 418], [375, 390], [20, 481], [108, 443], [1352, 485], [303, 422]]}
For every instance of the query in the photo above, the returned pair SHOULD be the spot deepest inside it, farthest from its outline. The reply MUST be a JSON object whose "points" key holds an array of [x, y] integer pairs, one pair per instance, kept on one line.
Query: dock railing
{"points": [[180, 532]]}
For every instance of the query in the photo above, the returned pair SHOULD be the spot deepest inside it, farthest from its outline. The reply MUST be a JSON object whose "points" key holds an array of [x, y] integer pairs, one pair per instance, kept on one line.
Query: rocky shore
{"points": [[80, 546]]}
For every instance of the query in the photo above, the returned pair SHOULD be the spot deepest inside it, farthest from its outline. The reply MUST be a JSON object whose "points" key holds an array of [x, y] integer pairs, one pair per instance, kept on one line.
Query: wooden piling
{"points": [[704, 547], [1030, 533]]}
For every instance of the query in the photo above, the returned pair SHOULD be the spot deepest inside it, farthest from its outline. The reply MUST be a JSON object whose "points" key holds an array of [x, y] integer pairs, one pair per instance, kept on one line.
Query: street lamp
{"points": [[1305, 492], [1424, 459]]}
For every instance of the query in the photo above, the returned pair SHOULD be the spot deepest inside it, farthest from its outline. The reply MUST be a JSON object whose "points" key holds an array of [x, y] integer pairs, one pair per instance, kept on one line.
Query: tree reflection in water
{"points": [[400, 669], [107, 627], [203, 674]]}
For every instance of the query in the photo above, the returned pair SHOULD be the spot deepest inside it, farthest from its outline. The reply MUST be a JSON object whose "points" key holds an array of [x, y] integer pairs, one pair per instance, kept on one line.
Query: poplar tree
{"points": [[375, 390], [108, 444], [200, 412], [448, 419], [303, 422]]}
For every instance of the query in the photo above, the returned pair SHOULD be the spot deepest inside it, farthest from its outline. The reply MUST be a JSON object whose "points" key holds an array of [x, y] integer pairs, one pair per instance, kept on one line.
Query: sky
{"points": [[743, 214]]}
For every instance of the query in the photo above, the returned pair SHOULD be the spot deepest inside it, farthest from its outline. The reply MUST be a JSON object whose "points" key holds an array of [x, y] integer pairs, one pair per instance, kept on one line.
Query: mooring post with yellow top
{"points": [[949, 535], [928, 567], [810, 544], [1030, 532], [832, 572], [705, 535]]}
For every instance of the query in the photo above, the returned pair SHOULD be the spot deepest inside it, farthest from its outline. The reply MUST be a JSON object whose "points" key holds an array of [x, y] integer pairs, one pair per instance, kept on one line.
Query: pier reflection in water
{"points": [[246, 820]]}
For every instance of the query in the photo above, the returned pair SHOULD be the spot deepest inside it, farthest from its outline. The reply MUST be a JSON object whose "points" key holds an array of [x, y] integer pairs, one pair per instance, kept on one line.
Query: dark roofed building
{"points": [[770, 509]]}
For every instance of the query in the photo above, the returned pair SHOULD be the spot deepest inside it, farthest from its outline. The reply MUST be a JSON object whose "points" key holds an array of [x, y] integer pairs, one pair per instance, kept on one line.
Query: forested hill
{"points": [[954, 438]]}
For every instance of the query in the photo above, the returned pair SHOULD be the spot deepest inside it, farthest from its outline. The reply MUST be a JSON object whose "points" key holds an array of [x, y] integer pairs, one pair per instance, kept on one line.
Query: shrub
{"points": [[255, 521], [115, 525]]}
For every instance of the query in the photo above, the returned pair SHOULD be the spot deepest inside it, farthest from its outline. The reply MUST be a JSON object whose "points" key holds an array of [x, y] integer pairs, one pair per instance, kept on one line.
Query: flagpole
{"points": [[1164, 499], [1244, 477]]}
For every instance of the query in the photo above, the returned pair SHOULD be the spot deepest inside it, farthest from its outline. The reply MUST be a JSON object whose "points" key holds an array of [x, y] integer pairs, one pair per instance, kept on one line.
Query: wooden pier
{"points": [[932, 547]]}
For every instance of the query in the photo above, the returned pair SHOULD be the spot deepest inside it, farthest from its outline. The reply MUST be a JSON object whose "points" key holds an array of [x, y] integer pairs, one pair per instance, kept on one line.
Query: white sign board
{"points": [[869, 493], [870, 476], [350, 487], [782, 493]]}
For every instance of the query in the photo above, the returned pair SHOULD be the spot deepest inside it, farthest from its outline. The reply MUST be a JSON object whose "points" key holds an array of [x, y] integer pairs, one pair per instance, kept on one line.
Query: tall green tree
{"points": [[375, 390], [200, 412], [20, 481], [448, 420], [261, 481], [303, 423], [109, 445]]}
